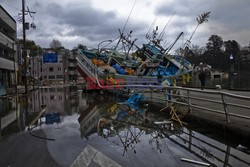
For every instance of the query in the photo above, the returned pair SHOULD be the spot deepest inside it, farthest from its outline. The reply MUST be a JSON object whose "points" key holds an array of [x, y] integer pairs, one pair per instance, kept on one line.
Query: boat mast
{"points": [[200, 19], [163, 31], [172, 45], [121, 33]]}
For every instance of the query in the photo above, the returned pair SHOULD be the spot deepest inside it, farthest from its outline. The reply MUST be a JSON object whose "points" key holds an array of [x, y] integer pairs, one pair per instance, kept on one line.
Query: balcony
{"points": [[72, 64], [72, 72], [71, 56], [7, 42]]}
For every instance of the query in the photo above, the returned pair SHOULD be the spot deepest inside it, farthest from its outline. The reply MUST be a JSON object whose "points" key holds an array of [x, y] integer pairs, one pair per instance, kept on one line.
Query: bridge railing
{"points": [[215, 101], [191, 94]]}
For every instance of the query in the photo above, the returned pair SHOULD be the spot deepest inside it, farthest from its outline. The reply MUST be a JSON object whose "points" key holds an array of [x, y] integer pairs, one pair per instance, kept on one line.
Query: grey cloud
{"points": [[88, 22], [80, 15], [229, 18]]}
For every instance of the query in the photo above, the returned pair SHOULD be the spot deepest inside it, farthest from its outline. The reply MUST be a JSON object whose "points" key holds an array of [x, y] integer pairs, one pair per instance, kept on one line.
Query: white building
{"points": [[64, 70], [8, 56]]}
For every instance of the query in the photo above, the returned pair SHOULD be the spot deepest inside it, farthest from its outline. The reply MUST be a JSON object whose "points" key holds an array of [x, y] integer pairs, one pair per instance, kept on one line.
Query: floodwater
{"points": [[89, 129]]}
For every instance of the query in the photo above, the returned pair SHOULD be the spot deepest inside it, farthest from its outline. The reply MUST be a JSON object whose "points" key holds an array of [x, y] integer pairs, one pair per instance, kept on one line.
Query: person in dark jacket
{"points": [[202, 78], [159, 78]]}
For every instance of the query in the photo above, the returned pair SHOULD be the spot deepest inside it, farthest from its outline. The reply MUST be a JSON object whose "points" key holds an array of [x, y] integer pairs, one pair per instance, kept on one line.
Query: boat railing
{"points": [[84, 58], [86, 65]]}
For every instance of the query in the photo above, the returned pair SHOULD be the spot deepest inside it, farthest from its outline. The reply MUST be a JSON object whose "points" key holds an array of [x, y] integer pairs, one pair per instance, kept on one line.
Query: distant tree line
{"points": [[217, 53], [55, 45]]}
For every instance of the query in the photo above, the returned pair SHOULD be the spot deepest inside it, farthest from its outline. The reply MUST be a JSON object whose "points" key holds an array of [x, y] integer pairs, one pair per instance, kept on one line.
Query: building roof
{"points": [[7, 13]]}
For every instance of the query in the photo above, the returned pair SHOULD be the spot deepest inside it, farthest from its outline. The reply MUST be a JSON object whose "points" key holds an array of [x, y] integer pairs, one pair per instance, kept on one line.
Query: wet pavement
{"points": [[89, 129]]}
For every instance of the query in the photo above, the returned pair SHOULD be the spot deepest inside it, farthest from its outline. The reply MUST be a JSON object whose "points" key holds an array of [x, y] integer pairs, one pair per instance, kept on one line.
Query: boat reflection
{"points": [[119, 124]]}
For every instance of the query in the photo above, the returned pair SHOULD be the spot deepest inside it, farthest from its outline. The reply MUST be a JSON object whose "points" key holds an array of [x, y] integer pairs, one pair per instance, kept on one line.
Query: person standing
{"points": [[159, 78], [202, 78]]}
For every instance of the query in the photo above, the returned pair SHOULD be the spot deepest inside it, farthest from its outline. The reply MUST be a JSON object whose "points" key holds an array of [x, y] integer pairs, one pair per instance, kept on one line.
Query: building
{"points": [[62, 70], [8, 56], [204, 67], [218, 74], [71, 64]]}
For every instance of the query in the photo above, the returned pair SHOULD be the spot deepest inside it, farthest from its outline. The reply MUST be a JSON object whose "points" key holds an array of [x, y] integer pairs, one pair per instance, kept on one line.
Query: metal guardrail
{"points": [[223, 96], [168, 97]]}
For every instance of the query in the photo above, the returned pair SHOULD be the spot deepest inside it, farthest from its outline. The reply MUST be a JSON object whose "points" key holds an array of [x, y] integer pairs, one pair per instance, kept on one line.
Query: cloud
{"points": [[229, 18], [77, 21], [89, 22]]}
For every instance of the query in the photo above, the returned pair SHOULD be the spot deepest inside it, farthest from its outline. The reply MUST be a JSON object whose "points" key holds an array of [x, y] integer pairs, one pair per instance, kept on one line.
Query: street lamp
{"points": [[103, 42], [38, 71], [231, 71]]}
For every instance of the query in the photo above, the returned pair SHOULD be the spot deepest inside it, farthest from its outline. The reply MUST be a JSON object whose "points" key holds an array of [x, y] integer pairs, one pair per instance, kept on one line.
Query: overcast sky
{"points": [[91, 21]]}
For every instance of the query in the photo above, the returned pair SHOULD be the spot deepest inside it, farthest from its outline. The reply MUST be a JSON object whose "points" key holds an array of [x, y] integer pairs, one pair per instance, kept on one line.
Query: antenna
{"points": [[128, 17], [121, 32], [150, 28], [163, 31]]}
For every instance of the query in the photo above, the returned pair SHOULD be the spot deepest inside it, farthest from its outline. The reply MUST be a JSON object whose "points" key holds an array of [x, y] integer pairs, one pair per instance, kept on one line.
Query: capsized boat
{"points": [[148, 65], [145, 66]]}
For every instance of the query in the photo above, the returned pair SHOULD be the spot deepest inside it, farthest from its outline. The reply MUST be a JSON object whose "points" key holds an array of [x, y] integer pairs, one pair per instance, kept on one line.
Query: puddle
{"points": [[129, 136]]}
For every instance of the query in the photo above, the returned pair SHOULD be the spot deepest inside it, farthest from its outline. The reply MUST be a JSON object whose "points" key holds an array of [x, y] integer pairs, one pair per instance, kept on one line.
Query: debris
{"points": [[195, 162], [163, 122], [51, 118]]}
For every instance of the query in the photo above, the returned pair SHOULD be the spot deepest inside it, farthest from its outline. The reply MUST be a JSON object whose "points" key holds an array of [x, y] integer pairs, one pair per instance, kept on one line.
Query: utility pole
{"points": [[24, 48], [14, 64]]}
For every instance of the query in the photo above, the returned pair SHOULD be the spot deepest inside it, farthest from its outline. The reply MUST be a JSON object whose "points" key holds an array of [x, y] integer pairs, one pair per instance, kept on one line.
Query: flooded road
{"points": [[89, 129]]}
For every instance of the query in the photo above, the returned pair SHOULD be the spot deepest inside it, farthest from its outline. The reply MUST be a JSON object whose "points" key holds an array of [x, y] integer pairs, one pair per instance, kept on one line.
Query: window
{"points": [[59, 76], [51, 69], [52, 90], [44, 77], [41, 69], [216, 76], [59, 68], [52, 77]]}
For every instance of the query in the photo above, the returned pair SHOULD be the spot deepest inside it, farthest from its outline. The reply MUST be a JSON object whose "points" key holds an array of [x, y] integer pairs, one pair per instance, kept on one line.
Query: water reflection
{"points": [[15, 117], [62, 99], [12, 116], [140, 131], [120, 125]]}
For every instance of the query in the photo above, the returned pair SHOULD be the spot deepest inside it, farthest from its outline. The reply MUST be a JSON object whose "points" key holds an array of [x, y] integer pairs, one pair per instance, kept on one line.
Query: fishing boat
{"points": [[147, 65]]}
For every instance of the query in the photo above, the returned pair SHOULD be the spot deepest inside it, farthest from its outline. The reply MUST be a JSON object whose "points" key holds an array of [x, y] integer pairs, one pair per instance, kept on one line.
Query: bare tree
{"points": [[56, 45]]}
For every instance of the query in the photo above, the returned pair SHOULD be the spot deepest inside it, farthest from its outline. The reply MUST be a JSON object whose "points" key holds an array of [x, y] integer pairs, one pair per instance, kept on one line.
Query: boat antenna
{"points": [[150, 28], [128, 17], [121, 32], [163, 31]]}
